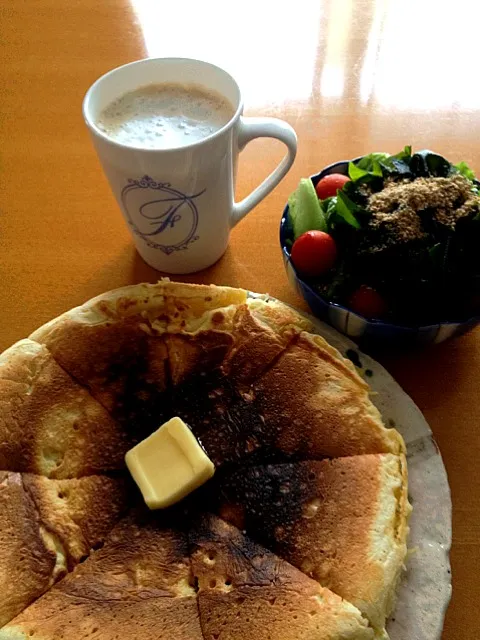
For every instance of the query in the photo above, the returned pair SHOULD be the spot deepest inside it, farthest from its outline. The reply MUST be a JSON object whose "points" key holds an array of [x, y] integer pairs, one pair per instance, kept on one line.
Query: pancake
{"points": [[342, 522], [186, 304], [46, 527], [79, 513], [137, 586], [315, 405], [263, 396], [252, 335], [49, 424], [262, 331], [114, 344], [247, 592], [108, 346], [150, 352]]}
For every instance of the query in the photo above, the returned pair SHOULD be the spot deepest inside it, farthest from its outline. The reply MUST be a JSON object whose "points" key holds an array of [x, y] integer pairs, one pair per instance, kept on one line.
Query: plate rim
{"points": [[339, 339]]}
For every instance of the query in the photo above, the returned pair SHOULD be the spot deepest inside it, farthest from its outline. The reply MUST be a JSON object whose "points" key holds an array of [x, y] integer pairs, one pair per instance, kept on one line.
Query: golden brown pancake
{"points": [[114, 344], [342, 522], [108, 346], [47, 525], [80, 513], [315, 405], [190, 355], [138, 586], [243, 338], [28, 566], [256, 388], [251, 334], [247, 592], [49, 424], [262, 331], [186, 305], [128, 345]]}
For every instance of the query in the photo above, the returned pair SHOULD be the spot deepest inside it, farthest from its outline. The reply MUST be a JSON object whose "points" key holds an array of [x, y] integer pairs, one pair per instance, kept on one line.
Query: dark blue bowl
{"points": [[363, 330]]}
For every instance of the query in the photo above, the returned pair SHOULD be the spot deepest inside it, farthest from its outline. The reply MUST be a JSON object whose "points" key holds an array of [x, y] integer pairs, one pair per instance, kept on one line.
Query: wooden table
{"points": [[349, 76]]}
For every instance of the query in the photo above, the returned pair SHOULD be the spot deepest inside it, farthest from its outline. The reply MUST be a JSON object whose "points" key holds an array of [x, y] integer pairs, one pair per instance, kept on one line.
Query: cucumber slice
{"points": [[306, 213]]}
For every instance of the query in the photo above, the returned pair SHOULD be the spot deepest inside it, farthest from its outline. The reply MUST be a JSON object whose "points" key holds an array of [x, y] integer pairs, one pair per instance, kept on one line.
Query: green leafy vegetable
{"points": [[329, 206], [367, 161], [404, 155], [464, 170], [346, 209], [306, 213], [437, 254], [355, 172], [398, 165]]}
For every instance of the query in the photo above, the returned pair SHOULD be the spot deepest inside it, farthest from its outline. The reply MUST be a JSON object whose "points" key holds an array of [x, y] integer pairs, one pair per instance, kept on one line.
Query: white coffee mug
{"points": [[179, 203]]}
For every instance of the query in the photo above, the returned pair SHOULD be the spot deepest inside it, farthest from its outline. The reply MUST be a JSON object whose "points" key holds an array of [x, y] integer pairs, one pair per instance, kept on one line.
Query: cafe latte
{"points": [[165, 116]]}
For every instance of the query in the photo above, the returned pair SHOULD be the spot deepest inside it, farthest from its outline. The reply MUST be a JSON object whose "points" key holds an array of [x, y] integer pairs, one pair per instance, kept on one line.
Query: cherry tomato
{"points": [[314, 253], [368, 302], [329, 185]]}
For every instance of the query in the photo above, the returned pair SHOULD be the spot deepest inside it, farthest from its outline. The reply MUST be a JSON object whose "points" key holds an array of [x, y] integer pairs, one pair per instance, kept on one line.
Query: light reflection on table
{"points": [[351, 76]]}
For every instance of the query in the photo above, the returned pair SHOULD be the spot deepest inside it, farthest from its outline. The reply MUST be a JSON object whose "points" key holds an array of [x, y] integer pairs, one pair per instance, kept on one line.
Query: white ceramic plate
{"points": [[425, 590]]}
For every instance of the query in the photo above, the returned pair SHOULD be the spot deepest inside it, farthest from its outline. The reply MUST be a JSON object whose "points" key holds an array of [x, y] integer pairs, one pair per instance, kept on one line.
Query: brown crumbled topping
{"points": [[396, 207], [365, 190]]}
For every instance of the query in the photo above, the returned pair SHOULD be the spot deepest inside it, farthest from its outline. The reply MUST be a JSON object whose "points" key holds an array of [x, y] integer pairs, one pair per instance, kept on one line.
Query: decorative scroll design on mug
{"points": [[168, 214]]}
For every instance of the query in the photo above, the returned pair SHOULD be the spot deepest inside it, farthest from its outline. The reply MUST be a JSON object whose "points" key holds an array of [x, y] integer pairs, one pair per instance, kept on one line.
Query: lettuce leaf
{"points": [[464, 170], [356, 172], [346, 210], [404, 155], [398, 165], [367, 161]]}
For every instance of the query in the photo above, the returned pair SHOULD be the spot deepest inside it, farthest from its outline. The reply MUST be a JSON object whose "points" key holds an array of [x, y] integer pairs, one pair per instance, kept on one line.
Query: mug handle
{"points": [[249, 129]]}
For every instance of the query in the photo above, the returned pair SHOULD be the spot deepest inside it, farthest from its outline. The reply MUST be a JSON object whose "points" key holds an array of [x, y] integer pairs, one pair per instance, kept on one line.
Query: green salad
{"points": [[398, 238]]}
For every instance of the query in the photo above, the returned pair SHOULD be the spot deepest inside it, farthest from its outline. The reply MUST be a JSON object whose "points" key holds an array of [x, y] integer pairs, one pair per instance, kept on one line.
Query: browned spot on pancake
{"points": [[255, 347], [233, 513], [138, 583], [226, 425], [218, 317], [192, 355], [317, 515], [265, 597]]}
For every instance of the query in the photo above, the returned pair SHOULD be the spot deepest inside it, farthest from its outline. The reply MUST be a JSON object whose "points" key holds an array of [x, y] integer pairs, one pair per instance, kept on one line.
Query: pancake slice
{"points": [[251, 335], [109, 346], [342, 522], [315, 405], [280, 317], [190, 355], [49, 424], [79, 513], [28, 563], [262, 331], [115, 345], [48, 526], [137, 586], [189, 306], [247, 592], [237, 339]]}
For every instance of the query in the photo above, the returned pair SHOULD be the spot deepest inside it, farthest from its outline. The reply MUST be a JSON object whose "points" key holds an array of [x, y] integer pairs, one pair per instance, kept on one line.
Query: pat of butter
{"points": [[169, 464]]}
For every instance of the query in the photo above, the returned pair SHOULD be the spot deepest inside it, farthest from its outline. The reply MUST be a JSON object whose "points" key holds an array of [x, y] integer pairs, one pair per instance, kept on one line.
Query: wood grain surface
{"points": [[351, 76]]}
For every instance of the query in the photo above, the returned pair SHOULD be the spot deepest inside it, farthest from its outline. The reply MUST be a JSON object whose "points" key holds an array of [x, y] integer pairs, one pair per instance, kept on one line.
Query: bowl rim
{"points": [[330, 168]]}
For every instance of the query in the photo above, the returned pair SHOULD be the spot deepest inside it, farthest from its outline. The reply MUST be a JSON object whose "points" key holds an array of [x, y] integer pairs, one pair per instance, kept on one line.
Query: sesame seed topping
{"points": [[396, 208]]}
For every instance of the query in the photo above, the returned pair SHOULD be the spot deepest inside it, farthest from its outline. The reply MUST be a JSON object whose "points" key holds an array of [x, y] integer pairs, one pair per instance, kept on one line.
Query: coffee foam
{"points": [[165, 116]]}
